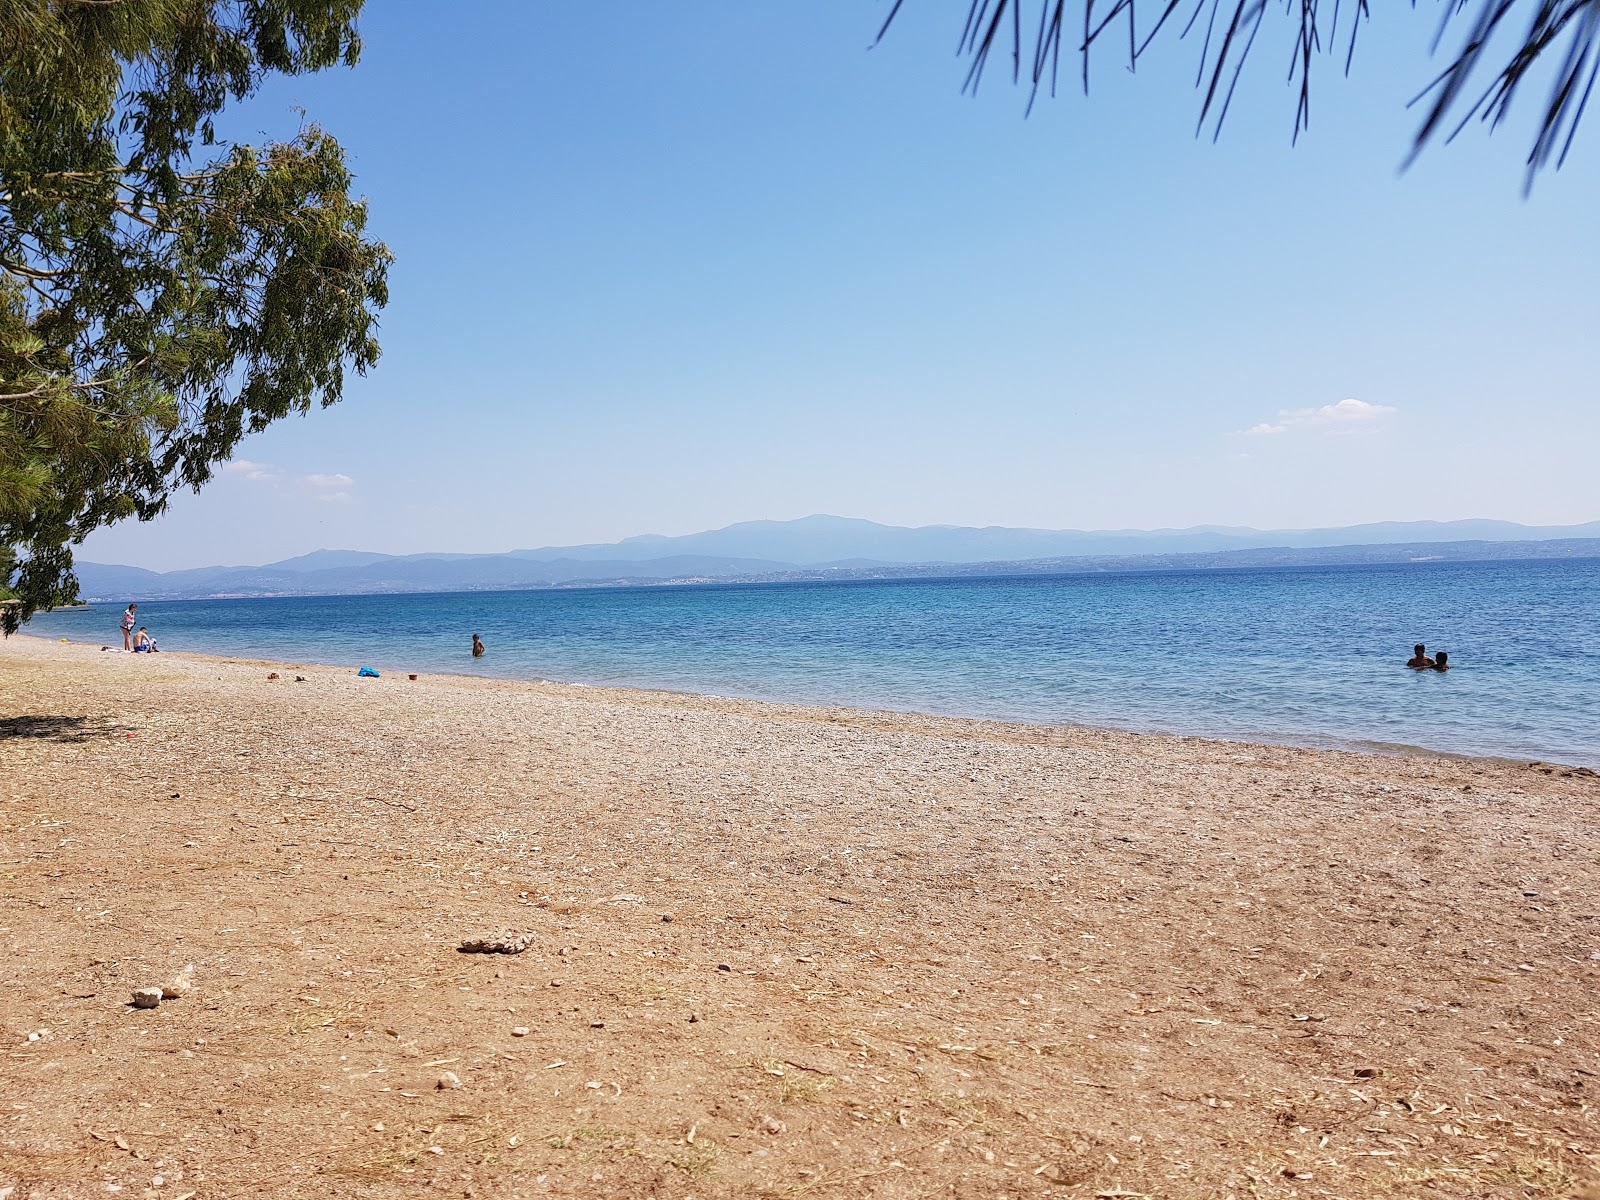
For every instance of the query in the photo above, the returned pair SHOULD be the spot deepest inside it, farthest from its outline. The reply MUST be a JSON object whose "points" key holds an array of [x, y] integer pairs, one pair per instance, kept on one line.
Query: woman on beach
{"points": [[129, 619]]}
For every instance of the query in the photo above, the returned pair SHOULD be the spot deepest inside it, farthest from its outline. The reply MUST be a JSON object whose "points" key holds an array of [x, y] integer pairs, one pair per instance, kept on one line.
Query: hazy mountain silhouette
{"points": [[841, 545]]}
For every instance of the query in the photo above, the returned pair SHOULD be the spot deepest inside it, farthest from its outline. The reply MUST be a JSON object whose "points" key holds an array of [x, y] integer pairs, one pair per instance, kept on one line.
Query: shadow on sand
{"points": [[55, 729]]}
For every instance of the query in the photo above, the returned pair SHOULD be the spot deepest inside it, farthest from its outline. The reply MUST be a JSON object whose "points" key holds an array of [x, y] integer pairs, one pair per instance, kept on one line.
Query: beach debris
{"points": [[368, 673], [520, 1031], [413, 678], [1367, 1072], [448, 1080], [272, 675], [146, 997], [179, 985], [724, 967], [299, 678], [504, 942]]}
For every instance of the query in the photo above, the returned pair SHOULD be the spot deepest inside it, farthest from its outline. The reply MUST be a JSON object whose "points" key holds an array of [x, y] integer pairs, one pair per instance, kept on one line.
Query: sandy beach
{"points": [[775, 951]]}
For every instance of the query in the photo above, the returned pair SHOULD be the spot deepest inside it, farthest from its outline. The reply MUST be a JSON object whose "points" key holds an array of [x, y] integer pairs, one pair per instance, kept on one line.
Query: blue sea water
{"points": [[1306, 656]]}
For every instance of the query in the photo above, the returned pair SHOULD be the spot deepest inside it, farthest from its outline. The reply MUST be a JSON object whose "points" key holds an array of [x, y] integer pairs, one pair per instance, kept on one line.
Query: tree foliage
{"points": [[161, 294], [1560, 36]]}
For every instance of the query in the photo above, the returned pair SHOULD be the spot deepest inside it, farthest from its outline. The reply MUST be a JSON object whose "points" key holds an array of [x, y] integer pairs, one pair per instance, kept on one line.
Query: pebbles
{"points": [[178, 986]]}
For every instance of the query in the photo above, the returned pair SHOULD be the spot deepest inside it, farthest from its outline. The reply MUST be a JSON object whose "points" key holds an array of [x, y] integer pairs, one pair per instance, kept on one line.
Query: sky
{"points": [[661, 267]]}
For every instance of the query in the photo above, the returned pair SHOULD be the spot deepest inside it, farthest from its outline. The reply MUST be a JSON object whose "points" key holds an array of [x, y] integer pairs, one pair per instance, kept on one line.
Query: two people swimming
{"points": [[1420, 660]]}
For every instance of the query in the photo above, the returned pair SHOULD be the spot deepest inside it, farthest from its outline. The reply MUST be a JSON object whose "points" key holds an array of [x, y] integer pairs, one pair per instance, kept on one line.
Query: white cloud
{"points": [[1344, 412], [253, 471], [334, 487], [1348, 413]]}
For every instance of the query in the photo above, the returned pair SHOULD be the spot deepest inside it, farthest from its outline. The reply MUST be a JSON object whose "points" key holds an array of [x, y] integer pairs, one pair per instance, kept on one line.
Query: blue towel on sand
{"points": [[368, 672]]}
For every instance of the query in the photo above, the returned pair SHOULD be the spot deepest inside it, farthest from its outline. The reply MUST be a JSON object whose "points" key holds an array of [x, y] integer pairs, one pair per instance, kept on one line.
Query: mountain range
{"points": [[841, 547]]}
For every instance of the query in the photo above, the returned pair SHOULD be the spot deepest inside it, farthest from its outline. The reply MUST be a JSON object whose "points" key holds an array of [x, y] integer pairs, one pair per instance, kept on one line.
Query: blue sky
{"points": [[665, 266]]}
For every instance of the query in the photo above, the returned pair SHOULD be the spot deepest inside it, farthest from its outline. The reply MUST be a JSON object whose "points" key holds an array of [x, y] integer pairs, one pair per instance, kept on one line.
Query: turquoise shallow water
{"points": [[1308, 656]]}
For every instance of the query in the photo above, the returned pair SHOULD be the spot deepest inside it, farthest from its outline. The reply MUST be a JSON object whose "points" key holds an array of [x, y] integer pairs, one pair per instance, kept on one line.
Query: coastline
{"points": [[906, 954], [1284, 741]]}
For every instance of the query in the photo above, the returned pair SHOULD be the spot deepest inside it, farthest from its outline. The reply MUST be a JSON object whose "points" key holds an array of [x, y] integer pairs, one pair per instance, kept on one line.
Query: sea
{"points": [[1308, 656]]}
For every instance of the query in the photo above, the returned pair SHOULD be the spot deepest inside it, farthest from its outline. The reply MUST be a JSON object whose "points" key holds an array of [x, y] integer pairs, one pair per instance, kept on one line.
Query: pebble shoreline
{"points": [[822, 941]]}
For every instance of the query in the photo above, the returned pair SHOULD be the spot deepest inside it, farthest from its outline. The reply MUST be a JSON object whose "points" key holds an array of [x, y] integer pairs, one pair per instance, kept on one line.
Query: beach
{"points": [[775, 950]]}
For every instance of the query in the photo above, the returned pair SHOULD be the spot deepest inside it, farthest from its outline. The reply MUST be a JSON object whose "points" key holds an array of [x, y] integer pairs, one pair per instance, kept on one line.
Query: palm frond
{"points": [[1565, 33]]}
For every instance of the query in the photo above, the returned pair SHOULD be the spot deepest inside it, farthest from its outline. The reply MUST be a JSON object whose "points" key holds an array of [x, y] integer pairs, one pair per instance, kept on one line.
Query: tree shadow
{"points": [[54, 729]]}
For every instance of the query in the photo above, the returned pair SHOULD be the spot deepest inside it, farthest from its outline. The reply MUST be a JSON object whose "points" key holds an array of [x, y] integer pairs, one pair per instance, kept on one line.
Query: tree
{"points": [[160, 295], [1560, 35]]}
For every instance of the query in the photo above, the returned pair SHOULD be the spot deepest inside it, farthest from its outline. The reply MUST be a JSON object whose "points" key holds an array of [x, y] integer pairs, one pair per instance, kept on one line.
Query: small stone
{"points": [[448, 1080], [146, 997], [694, 1018], [520, 1031], [666, 918], [724, 967], [497, 943], [158, 1181], [179, 984], [272, 675], [1367, 1072], [773, 1125]]}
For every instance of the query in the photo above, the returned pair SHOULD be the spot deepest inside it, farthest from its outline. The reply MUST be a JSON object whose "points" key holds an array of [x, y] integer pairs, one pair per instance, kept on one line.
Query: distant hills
{"points": [[824, 547]]}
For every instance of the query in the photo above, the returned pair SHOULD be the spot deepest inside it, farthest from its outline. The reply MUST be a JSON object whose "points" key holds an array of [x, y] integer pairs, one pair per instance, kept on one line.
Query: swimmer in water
{"points": [[477, 646], [1441, 661], [1419, 658]]}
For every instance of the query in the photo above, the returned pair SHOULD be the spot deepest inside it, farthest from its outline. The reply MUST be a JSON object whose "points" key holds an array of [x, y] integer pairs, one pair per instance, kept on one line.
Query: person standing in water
{"points": [[129, 620], [1419, 660], [477, 646], [1441, 661]]}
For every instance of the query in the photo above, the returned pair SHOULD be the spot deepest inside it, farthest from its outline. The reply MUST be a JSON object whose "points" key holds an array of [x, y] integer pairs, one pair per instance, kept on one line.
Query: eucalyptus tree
{"points": [[162, 292], [1501, 47]]}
